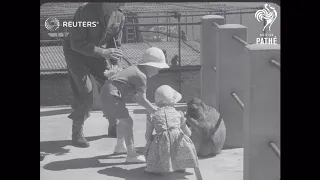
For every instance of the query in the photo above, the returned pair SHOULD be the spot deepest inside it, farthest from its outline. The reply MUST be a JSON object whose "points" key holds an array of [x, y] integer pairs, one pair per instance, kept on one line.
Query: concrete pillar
{"points": [[262, 112], [230, 75], [208, 58]]}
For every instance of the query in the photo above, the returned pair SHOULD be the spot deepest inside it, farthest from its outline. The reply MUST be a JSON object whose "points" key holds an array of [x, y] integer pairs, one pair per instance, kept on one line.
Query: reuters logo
{"points": [[52, 24]]}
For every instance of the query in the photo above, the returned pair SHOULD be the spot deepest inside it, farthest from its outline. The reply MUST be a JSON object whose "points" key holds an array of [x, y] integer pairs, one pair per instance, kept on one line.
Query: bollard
{"points": [[261, 112], [208, 57], [230, 75]]}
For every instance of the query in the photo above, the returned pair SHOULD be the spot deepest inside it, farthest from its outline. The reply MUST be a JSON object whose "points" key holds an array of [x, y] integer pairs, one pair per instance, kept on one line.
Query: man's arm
{"points": [[78, 37]]}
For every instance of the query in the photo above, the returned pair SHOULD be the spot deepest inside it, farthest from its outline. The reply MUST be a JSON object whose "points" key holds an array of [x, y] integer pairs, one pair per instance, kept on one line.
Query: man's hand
{"points": [[113, 70], [112, 53]]}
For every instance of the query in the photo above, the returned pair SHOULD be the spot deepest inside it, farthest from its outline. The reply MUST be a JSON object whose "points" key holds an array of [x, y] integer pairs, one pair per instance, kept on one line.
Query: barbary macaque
{"points": [[208, 131]]}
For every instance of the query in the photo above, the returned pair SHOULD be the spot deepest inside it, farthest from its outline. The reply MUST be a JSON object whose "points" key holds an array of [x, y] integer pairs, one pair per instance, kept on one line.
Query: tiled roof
{"points": [[52, 59], [67, 10]]}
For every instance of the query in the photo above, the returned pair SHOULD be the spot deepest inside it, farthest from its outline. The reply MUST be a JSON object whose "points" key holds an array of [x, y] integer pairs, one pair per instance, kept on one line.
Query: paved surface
{"points": [[65, 162]]}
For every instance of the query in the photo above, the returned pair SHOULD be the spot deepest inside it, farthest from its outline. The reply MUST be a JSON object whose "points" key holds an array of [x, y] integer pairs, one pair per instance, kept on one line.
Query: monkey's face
{"points": [[195, 109]]}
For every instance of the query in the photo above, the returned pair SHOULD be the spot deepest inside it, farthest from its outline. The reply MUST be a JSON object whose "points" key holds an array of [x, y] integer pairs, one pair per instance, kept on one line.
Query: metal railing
{"points": [[276, 63], [238, 100], [275, 149], [161, 24], [214, 68], [176, 14], [237, 38]]}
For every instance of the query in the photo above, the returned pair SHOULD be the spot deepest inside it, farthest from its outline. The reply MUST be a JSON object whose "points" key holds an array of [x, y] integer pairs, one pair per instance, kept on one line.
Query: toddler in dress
{"points": [[170, 149]]}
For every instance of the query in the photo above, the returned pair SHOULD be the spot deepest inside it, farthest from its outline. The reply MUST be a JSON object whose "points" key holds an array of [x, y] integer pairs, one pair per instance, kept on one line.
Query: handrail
{"points": [[245, 43], [235, 96], [275, 148], [276, 63]]}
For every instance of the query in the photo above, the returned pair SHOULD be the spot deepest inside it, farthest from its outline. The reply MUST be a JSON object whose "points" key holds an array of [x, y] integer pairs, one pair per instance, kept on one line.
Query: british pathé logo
{"points": [[269, 14], [267, 39], [53, 24]]}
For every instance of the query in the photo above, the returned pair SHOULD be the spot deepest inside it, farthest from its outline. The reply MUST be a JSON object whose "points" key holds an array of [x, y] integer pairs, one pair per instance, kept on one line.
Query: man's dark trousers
{"points": [[83, 48], [81, 79]]}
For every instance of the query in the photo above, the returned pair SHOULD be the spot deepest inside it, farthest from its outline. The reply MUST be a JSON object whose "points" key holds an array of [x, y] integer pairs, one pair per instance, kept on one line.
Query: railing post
{"points": [[208, 57], [230, 75], [167, 27], [261, 112]]}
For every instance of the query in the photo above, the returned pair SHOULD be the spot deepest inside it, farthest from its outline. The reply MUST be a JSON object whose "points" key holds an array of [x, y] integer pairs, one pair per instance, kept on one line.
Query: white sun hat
{"points": [[154, 57], [165, 95]]}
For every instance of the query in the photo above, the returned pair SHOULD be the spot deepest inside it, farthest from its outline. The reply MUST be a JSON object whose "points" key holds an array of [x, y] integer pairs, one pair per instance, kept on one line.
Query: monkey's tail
{"points": [[213, 131]]}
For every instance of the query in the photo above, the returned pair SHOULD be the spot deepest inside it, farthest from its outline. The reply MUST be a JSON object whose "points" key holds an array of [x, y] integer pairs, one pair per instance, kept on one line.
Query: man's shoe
{"points": [[78, 139], [181, 171], [41, 157]]}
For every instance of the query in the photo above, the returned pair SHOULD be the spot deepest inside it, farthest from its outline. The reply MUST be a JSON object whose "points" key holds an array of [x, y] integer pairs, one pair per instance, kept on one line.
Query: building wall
{"points": [[56, 91]]}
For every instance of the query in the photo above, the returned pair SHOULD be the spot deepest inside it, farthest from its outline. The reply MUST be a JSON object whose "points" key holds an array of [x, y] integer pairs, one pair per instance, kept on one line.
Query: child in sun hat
{"points": [[130, 82], [170, 149]]}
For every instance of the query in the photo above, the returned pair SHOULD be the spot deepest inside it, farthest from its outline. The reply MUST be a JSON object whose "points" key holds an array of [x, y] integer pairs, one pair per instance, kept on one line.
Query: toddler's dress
{"points": [[170, 149]]}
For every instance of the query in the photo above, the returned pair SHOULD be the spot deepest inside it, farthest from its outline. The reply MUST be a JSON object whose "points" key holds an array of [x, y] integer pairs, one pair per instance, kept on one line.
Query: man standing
{"points": [[87, 51]]}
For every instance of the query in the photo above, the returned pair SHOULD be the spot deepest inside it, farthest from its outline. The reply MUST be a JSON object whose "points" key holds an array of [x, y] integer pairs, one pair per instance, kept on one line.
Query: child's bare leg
{"points": [[126, 128], [121, 146]]}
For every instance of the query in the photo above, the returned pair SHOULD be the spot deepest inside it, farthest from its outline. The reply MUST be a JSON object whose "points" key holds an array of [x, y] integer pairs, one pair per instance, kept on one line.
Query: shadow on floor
{"points": [[83, 163], [144, 111], [57, 147], [140, 111], [226, 147], [56, 112], [138, 174]]}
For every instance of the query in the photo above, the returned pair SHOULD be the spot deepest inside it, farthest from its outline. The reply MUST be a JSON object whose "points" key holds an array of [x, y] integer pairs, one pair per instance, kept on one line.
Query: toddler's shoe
{"points": [[136, 158]]}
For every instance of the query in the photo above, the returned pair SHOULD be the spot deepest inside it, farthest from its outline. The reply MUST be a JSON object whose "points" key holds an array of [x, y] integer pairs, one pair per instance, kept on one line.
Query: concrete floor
{"points": [[65, 162]]}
